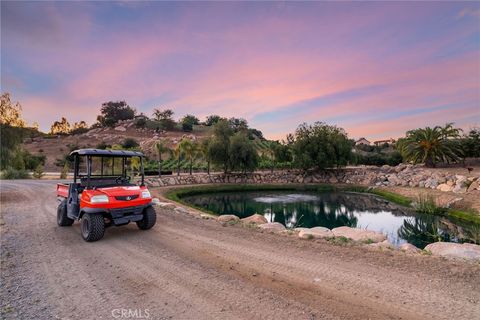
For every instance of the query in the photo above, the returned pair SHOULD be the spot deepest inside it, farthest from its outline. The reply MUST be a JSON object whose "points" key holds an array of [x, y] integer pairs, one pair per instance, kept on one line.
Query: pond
{"points": [[335, 209]]}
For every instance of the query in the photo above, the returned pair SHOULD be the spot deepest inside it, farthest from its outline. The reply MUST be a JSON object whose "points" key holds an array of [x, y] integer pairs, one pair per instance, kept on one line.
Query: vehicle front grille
{"points": [[127, 198]]}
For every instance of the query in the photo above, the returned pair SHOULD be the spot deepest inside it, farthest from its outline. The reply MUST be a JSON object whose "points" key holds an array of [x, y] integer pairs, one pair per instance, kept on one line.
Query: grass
{"points": [[423, 205]]}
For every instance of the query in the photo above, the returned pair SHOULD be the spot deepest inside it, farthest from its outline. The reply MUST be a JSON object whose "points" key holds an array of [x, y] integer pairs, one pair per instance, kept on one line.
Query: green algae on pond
{"points": [[335, 209]]}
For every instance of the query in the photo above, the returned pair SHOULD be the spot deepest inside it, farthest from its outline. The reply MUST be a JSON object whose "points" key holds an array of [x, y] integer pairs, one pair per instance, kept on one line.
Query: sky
{"points": [[376, 69]]}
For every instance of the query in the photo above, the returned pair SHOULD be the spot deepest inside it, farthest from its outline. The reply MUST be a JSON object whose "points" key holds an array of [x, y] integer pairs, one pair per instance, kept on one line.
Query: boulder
{"points": [[408, 247], [255, 219], [382, 245], [165, 205], [299, 229], [460, 188], [316, 232], [272, 226], [228, 218], [120, 128], [455, 250], [181, 210], [473, 186], [207, 216], [444, 187], [358, 234]]}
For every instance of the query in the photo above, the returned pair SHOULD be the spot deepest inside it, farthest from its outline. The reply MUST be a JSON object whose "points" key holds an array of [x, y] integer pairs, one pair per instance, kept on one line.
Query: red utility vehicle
{"points": [[102, 194]]}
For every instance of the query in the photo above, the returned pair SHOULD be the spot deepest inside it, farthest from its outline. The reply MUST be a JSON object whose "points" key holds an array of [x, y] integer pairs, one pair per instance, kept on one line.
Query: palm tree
{"points": [[177, 155], [204, 150], [431, 145], [190, 150], [161, 148]]}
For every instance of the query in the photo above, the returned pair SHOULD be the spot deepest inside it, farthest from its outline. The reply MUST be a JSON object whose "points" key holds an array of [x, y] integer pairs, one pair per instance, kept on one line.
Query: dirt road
{"points": [[189, 268]]}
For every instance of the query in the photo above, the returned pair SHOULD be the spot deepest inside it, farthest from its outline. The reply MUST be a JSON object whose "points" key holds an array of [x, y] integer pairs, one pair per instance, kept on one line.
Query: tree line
{"points": [[234, 146]]}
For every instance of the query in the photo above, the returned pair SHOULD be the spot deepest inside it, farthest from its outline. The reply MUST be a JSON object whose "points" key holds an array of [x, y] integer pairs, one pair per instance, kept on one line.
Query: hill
{"points": [[57, 146]]}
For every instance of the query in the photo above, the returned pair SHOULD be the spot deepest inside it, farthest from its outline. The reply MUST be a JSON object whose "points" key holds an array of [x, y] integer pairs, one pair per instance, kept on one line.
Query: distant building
{"points": [[387, 141], [362, 141]]}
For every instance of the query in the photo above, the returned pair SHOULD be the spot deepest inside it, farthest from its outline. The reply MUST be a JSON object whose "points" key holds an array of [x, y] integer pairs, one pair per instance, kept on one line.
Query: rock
{"points": [[228, 218], [382, 245], [473, 186], [460, 188], [316, 232], [408, 247], [207, 216], [273, 226], [359, 234], [165, 205], [444, 187], [300, 229], [120, 128], [255, 219], [455, 250], [181, 210]]}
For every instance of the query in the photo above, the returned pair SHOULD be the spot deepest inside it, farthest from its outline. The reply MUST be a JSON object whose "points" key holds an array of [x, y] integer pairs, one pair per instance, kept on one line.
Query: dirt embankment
{"points": [[188, 268]]}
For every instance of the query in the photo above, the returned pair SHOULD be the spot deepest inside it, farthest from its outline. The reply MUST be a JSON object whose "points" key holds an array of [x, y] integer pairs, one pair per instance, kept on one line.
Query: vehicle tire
{"points": [[149, 219], [92, 226], [62, 219]]}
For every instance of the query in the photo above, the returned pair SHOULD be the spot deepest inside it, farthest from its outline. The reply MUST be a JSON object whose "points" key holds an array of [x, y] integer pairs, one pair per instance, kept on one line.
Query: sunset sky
{"points": [[376, 69]]}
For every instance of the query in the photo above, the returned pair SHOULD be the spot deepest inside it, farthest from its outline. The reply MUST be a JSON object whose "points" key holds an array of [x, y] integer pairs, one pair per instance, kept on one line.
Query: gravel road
{"points": [[190, 268]]}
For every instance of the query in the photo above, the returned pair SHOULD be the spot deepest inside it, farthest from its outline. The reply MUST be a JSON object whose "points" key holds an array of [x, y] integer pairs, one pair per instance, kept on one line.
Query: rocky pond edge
{"points": [[340, 235]]}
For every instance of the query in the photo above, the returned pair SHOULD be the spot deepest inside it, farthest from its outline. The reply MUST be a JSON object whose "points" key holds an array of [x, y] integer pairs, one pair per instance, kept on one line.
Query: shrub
{"points": [[11, 173], [187, 127], [129, 143], [426, 204], [64, 173], [140, 122], [38, 172], [102, 145]]}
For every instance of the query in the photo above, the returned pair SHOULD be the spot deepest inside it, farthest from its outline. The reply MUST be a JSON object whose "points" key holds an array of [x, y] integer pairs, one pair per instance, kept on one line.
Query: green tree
{"points": [[212, 120], [431, 145], [112, 112], [188, 122], [161, 148], [204, 150], [243, 155], [219, 146], [177, 155], [190, 151], [471, 143], [320, 146], [165, 118]]}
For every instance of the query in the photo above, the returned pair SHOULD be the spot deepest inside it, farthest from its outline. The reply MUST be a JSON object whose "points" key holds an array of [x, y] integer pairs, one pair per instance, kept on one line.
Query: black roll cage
{"points": [[112, 154]]}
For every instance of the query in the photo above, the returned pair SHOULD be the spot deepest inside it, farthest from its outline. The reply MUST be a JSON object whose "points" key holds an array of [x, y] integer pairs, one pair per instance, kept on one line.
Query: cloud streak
{"points": [[377, 69]]}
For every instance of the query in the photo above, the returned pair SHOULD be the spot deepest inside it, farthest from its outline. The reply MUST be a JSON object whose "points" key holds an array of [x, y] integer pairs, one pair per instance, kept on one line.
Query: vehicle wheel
{"points": [[93, 227], [62, 219], [149, 219]]}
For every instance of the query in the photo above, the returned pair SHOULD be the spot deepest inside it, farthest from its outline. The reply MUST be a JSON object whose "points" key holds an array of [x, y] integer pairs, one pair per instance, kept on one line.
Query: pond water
{"points": [[335, 209]]}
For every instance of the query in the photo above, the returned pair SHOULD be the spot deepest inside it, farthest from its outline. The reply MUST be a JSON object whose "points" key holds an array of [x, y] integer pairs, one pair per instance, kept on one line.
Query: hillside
{"points": [[56, 147]]}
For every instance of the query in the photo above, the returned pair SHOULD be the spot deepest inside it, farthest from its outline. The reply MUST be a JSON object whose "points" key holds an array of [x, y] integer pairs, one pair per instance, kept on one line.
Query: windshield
{"points": [[111, 167]]}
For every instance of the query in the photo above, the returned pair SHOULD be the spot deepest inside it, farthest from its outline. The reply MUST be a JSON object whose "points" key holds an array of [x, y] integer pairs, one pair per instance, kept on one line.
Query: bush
{"points": [[187, 127], [140, 122], [38, 172], [129, 143], [64, 173], [11, 173], [426, 204], [102, 145]]}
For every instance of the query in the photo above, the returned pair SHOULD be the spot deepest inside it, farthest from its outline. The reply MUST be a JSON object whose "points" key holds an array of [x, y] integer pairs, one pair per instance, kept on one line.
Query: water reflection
{"points": [[331, 210]]}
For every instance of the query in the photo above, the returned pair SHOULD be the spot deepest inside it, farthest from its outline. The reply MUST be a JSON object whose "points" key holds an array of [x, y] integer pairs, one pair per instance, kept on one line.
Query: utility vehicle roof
{"points": [[106, 153]]}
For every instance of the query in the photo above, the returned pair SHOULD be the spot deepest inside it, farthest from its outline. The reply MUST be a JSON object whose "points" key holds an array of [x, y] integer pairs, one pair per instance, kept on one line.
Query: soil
{"points": [[192, 268]]}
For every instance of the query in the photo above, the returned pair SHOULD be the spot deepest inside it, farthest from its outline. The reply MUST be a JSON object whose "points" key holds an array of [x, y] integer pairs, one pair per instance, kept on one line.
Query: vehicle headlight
{"points": [[99, 199], [146, 194]]}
